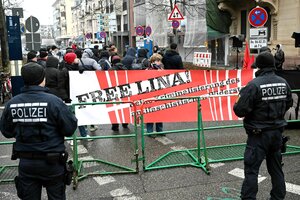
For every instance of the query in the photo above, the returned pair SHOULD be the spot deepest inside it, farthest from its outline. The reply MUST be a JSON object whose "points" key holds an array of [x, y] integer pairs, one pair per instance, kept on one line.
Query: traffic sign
{"points": [[148, 30], [32, 24], [88, 36], [175, 24], [258, 43], [103, 34], [175, 14], [258, 17], [261, 32], [17, 12], [22, 28], [139, 30]]}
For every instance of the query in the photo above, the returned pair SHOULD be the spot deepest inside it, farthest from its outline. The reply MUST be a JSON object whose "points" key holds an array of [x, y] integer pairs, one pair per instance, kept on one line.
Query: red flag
{"points": [[248, 61]]}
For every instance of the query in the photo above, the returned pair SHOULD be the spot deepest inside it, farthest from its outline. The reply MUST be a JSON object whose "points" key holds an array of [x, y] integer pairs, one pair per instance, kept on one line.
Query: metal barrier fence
{"points": [[196, 158], [199, 157], [8, 171], [90, 167]]}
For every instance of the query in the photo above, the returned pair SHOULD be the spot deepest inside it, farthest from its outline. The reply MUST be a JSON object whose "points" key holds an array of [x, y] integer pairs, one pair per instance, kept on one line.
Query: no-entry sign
{"points": [[258, 17], [139, 30]]}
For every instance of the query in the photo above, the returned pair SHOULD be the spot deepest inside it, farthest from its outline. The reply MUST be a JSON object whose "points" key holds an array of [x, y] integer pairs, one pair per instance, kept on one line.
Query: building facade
{"points": [[208, 25]]}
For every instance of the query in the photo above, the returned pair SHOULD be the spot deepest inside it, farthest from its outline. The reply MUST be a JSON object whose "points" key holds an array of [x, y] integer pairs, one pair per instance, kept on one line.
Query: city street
{"points": [[224, 181]]}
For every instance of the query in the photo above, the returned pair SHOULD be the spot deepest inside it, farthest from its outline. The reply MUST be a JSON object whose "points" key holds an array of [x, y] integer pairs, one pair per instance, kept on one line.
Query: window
{"points": [[244, 22], [125, 22], [124, 5]]}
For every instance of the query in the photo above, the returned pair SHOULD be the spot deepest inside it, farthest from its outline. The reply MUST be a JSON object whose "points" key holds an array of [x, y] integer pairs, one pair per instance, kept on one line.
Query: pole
{"points": [[16, 68], [31, 26]]}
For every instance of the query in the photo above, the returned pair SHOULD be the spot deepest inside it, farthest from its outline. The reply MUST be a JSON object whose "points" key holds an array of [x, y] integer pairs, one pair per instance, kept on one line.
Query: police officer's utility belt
{"points": [[39, 156]]}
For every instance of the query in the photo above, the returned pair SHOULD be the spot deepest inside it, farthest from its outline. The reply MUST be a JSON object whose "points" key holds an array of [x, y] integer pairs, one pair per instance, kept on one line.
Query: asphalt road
{"points": [[182, 183]]}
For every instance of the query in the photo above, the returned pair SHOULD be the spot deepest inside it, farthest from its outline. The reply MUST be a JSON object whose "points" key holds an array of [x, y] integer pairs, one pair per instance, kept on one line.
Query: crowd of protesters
{"points": [[58, 63]]}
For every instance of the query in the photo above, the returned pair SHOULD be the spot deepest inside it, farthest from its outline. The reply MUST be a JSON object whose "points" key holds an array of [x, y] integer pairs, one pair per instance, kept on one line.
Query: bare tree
{"points": [[4, 42], [190, 6]]}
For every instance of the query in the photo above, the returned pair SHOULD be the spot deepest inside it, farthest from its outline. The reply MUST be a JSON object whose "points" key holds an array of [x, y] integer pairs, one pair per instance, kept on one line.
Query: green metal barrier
{"points": [[8, 172], [85, 168], [197, 158]]}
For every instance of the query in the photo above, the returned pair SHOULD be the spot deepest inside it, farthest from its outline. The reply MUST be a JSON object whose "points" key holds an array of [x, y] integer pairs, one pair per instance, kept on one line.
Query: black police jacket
{"points": [[264, 101], [38, 120]]}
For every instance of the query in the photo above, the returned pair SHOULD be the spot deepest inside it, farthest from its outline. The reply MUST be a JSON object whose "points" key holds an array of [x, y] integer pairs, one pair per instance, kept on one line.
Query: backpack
{"points": [[136, 66], [104, 64]]}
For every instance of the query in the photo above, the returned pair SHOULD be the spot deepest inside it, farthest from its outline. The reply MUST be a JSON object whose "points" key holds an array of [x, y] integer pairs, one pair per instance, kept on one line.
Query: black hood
{"points": [[170, 53], [142, 53]]}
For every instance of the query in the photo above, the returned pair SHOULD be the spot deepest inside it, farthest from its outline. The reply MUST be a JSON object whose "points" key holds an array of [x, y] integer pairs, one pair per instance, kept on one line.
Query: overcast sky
{"points": [[41, 9]]}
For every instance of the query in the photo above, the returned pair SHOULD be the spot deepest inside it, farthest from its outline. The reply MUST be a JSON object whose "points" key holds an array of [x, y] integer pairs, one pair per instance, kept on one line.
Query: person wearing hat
{"points": [[38, 121], [42, 58], [87, 62], [71, 64], [263, 103], [261, 50]]}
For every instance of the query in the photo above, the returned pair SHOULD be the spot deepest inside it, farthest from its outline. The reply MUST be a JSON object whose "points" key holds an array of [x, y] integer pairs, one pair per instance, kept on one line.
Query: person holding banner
{"points": [[155, 64], [71, 64], [263, 103]]}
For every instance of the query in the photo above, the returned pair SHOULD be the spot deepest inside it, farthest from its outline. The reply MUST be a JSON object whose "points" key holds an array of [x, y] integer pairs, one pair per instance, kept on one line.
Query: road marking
{"points": [[292, 188], [128, 198], [120, 192], [81, 149], [8, 195], [178, 148], [164, 140], [102, 180], [216, 165], [240, 173], [7, 156], [91, 164]]}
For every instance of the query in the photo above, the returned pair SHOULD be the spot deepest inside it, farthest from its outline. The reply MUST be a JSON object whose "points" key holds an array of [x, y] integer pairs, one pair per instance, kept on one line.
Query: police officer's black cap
{"points": [[33, 74], [265, 60]]}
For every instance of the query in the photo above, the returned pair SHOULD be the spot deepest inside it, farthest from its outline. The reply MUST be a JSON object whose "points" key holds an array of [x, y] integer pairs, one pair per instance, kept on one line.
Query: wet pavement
{"points": [[187, 182]]}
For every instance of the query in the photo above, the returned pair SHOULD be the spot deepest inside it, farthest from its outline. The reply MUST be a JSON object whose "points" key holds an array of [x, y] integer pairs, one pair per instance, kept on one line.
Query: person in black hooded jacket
{"points": [[55, 79], [172, 59], [129, 58], [142, 58]]}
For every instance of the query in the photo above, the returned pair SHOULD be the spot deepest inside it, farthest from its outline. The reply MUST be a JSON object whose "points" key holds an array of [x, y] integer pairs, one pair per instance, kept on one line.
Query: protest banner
{"points": [[139, 85]]}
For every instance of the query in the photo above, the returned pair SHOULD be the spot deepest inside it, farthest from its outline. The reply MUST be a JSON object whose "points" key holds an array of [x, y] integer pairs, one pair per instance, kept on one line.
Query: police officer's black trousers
{"points": [[260, 146], [35, 174], [30, 188]]}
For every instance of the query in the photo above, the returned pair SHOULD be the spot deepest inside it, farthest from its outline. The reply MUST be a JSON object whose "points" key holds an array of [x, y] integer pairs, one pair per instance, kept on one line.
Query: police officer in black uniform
{"points": [[263, 103], [39, 121]]}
